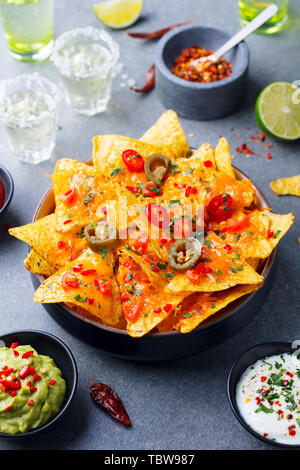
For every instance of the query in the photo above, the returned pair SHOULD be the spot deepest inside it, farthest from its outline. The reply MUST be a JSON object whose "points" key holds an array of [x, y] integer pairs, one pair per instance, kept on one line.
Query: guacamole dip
{"points": [[32, 390]]}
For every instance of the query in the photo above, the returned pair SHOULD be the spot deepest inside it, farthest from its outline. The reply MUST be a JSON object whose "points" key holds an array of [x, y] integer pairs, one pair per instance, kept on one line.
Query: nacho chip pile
{"points": [[135, 284]]}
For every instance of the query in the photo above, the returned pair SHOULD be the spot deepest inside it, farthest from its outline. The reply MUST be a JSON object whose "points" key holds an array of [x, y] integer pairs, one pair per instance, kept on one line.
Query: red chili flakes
{"points": [[268, 156], [244, 149], [211, 72], [263, 378], [52, 382]]}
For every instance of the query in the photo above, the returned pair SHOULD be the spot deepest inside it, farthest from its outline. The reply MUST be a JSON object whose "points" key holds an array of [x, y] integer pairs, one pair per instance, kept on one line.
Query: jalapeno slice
{"points": [[184, 254], [101, 234], [157, 167]]}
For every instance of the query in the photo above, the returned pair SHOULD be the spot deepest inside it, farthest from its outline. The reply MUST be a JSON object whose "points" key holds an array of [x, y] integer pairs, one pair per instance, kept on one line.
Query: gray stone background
{"points": [[180, 404]]}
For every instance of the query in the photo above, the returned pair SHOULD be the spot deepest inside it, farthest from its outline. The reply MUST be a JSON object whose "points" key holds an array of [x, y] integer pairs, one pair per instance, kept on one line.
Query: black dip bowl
{"points": [[260, 351], [48, 345], [8, 184], [193, 100]]}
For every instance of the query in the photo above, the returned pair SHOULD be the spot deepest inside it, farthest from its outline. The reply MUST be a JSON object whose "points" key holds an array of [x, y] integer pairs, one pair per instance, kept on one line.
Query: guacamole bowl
{"points": [[49, 345]]}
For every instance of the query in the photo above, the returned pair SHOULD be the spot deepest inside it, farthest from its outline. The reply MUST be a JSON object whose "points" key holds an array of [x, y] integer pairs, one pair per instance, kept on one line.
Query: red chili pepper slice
{"points": [[149, 81], [26, 371], [157, 215], [14, 345], [10, 385], [77, 268], [69, 281], [27, 354], [220, 207], [61, 245], [133, 161], [30, 402], [106, 397], [88, 272], [16, 354], [52, 382], [103, 286]]}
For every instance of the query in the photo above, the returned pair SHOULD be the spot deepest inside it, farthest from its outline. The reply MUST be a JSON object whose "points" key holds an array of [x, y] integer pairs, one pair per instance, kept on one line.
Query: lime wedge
{"points": [[277, 110], [118, 14]]}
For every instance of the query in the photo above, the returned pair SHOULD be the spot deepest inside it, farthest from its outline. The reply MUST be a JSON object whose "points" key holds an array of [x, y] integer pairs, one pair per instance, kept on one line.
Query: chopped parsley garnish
{"points": [[116, 171], [89, 198], [264, 409]]}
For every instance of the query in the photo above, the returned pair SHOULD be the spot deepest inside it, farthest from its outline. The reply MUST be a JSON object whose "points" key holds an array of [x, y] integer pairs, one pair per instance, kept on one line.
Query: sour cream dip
{"points": [[268, 398]]}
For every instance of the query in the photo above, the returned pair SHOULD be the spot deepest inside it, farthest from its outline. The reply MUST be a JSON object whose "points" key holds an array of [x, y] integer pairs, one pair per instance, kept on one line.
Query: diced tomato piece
{"points": [[140, 243], [69, 281], [207, 163], [61, 245], [237, 225], [168, 308], [77, 268], [103, 286], [131, 310], [69, 197]]}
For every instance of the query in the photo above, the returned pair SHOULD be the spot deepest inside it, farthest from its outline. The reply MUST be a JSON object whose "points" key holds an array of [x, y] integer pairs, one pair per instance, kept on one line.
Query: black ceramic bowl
{"points": [[8, 183], [257, 352], [48, 345], [161, 346], [200, 101]]}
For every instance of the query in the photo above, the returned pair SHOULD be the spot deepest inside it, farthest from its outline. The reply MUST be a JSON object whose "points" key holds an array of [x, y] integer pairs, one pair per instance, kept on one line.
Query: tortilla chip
{"points": [[254, 263], [197, 307], [42, 236], [91, 192], [279, 224], [107, 156], [153, 298], [286, 186], [222, 156], [254, 240], [87, 294], [227, 269], [37, 264], [168, 133], [205, 153]]}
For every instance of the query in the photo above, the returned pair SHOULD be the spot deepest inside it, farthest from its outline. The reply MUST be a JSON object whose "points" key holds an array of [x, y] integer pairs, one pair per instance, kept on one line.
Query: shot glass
{"points": [[28, 28], [85, 59], [251, 8], [29, 107]]}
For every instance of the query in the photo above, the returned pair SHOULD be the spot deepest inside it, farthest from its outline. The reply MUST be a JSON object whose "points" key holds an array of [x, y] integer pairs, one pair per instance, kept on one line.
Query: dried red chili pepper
{"points": [[157, 34], [149, 81], [106, 397]]}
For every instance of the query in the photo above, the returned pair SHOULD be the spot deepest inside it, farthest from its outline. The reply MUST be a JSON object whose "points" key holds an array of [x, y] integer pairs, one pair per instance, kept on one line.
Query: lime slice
{"points": [[277, 110], [118, 14]]}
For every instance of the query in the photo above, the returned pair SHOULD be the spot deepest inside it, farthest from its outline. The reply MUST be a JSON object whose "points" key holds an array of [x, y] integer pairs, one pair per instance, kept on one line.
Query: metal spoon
{"points": [[258, 21]]}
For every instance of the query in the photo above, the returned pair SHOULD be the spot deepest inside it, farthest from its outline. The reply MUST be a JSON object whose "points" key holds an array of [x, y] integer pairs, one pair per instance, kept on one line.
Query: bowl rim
{"points": [[211, 322], [161, 64], [10, 187], [285, 345], [73, 387]]}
